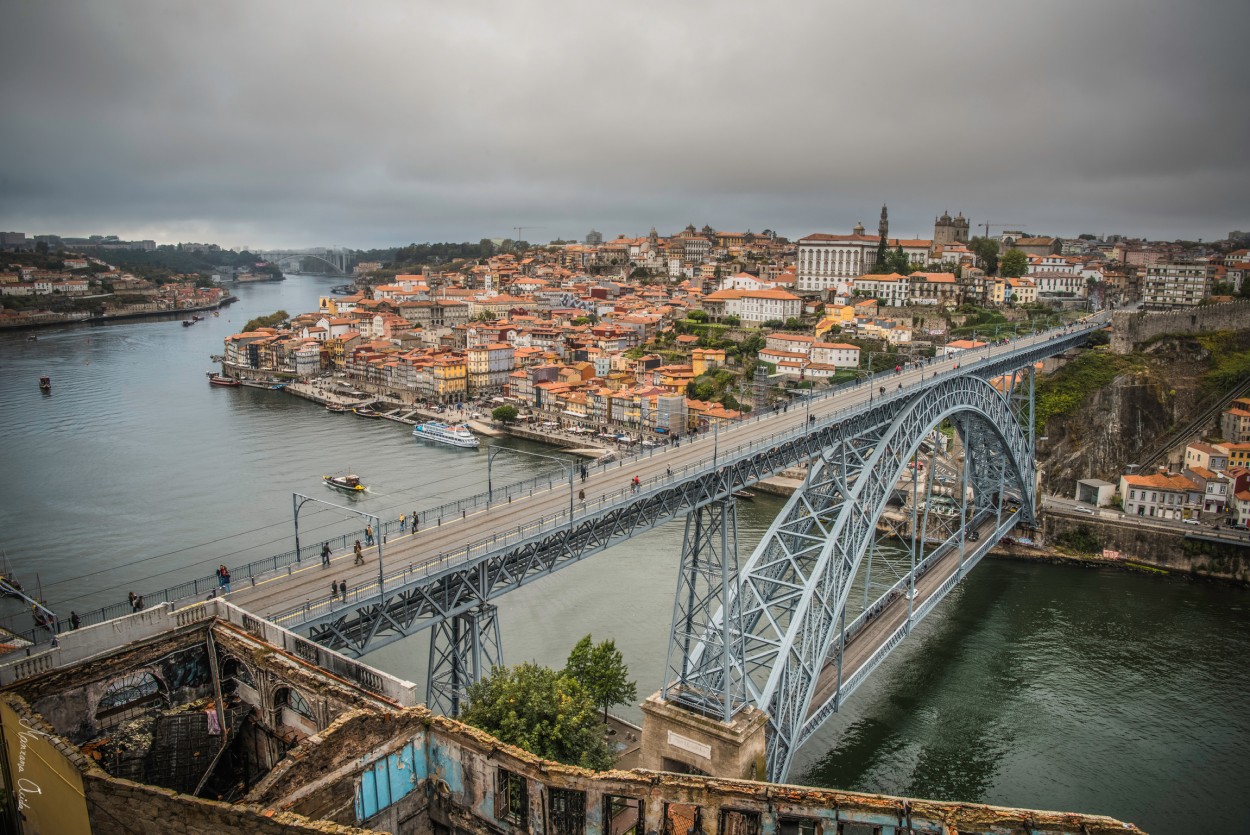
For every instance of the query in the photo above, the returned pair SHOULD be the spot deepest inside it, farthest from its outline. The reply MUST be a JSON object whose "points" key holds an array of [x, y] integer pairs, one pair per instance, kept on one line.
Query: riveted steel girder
{"points": [[794, 587]]}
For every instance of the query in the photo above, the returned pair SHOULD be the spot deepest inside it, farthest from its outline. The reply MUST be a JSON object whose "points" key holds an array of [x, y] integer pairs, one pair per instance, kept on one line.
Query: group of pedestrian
{"points": [[339, 589], [136, 602], [223, 578], [636, 484]]}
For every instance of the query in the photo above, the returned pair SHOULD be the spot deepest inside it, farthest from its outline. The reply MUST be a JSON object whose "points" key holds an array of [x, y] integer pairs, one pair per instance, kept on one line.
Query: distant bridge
{"points": [[339, 261]]}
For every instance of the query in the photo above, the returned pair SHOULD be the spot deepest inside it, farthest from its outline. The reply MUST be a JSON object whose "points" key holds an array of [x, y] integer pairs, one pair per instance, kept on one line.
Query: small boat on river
{"points": [[186, 323], [346, 483], [745, 495], [458, 435], [365, 411], [220, 380], [336, 410], [45, 383]]}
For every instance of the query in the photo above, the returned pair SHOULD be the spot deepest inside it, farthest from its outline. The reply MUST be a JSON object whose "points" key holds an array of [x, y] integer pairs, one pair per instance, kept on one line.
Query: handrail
{"points": [[201, 586]]}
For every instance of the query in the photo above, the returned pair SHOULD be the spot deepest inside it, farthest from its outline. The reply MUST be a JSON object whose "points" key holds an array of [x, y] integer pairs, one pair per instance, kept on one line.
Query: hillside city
{"points": [[642, 340]]}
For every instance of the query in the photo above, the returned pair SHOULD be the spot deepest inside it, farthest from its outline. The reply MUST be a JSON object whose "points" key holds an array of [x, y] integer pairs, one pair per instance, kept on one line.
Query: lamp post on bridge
{"points": [[298, 501], [494, 450]]}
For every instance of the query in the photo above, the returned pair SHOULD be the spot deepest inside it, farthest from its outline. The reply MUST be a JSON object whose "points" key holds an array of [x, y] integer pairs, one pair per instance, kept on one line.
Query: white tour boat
{"points": [[458, 435]]}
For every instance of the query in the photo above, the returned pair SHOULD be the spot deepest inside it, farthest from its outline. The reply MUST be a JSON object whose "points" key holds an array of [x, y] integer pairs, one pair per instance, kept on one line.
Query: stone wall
{"points": [[120, 807], [1154, 546], [441, 776], [1130, 329]]}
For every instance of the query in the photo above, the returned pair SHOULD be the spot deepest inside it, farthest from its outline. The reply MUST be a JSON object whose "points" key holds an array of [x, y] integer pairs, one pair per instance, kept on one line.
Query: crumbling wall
{"points": [[121, 807]]}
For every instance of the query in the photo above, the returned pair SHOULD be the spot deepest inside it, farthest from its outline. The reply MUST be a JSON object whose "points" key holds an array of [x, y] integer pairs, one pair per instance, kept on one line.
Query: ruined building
{"points": [[208, 720]]}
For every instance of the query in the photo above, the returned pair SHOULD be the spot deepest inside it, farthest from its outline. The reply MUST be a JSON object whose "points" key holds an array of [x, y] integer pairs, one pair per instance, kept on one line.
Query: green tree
{"points": [[504, 414], [697, 316], [546, 712], [732, 321], [601, 670], [987, 250], [269, 321], [1014, 264]]}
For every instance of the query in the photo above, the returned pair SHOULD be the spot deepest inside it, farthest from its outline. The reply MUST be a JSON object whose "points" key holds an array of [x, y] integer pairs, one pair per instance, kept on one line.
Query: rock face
{"points": [[1158, 390]]}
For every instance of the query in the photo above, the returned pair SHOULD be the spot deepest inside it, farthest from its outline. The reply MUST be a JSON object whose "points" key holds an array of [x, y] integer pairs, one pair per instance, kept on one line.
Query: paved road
{"points": [[310, 582], [1208, 530], [865, 642]]}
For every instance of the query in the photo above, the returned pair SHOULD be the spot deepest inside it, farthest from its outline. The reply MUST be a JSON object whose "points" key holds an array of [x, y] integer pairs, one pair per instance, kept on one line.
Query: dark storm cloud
{"points": [[381, 123]]}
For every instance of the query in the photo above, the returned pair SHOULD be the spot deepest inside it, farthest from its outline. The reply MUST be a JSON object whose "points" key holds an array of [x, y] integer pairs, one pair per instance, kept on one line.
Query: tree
{"points": [[986, 249], [504, 414], [266, 321], [546, 712], [601, 670], [1014, 264], [697, 316], [732, 321]]}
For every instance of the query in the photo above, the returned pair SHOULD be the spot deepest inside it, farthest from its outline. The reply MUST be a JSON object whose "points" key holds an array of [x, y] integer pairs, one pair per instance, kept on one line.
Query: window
{"points": [[624, 815], [735, 822], [797, 826], [682, 819], [292, 701], [129, 696], [567, 811], [511, 798]]}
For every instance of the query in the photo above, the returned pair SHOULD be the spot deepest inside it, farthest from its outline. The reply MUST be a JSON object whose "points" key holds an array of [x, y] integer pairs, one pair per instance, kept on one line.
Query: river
{"points": [[1033, 685]]}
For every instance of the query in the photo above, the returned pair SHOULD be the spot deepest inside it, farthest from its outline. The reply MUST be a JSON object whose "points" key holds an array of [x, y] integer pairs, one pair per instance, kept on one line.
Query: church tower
{"points": [[883, 228]]}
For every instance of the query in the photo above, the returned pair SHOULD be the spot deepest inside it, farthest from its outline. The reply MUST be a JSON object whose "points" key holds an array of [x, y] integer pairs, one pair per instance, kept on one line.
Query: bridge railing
{"points": [[730, 453], [201, 587]]}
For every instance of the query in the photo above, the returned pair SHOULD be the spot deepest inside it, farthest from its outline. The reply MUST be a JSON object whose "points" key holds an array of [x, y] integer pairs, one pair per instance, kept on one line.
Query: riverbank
{"points": [[1017, 552], [122, 316]]}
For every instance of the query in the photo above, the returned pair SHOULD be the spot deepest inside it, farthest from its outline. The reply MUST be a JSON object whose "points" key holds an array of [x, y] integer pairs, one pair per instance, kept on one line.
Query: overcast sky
{"points": [[381, 123]]}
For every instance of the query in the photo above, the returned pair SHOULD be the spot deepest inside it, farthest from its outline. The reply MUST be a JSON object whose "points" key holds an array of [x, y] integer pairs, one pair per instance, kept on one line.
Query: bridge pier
{"points": [[463, 648], [675, 738]]}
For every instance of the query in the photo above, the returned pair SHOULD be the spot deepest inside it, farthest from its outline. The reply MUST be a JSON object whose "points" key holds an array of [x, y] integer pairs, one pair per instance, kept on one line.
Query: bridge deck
{"points": [[431, 548]]}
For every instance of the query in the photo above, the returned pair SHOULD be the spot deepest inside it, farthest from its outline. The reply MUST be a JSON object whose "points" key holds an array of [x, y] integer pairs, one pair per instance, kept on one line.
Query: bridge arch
{"points": [[791, 595]]}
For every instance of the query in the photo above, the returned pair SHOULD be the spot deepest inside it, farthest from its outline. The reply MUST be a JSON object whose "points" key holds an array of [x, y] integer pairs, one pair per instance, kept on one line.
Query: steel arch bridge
{"points": [[797, 640], [336, 260], [773, 633]]}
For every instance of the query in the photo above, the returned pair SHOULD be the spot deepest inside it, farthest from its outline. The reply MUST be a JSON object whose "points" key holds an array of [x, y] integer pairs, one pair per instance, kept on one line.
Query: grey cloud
{"points": [[382, 123]]}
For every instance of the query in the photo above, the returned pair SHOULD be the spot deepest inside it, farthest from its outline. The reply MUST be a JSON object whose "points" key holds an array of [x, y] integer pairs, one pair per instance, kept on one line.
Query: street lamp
{"points": [[298, 501], [494, 450]]}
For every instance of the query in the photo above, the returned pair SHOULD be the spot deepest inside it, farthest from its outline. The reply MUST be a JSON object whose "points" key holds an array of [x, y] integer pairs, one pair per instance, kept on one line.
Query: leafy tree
{"points": [[793, 324], [1014, 264], [546, 712], [601, 670], [504, 414], [732, 321], [269, 321], [697, 315], [772, 324], [987, 250]]}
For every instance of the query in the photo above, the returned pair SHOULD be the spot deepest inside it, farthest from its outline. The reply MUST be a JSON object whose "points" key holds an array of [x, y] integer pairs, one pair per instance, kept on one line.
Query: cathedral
{"points": [[950, 230]]}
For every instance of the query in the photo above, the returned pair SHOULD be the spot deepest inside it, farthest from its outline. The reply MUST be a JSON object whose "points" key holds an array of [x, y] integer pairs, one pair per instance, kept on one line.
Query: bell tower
{"points": [[884, 226]]}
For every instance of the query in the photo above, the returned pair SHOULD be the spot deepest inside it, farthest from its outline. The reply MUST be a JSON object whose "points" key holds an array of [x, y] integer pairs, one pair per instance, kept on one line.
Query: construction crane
{"points": [[520, 229]]}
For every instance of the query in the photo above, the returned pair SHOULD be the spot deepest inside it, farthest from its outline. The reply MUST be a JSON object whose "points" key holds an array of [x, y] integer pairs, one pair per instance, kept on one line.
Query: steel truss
{"points": [[463, 648], [709, 568], [792, 596], [435, 595]]}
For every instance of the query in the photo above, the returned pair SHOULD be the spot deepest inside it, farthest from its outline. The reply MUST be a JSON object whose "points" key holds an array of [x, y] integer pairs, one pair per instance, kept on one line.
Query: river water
{"points": [[1033, 685]]}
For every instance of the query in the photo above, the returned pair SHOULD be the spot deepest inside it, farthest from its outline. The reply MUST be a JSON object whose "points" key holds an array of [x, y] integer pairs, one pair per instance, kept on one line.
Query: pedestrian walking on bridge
{"points": [[343, 589], [403, 522], [368, 534], [360, 554], [325, 554]]}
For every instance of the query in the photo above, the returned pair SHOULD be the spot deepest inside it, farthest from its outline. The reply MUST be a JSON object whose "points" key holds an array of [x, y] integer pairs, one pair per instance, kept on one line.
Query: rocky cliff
{"points": [[1102, 411]]}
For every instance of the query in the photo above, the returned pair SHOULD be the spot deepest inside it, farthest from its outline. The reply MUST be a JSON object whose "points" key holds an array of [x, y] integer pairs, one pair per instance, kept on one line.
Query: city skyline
{"points": [[397, 123]]}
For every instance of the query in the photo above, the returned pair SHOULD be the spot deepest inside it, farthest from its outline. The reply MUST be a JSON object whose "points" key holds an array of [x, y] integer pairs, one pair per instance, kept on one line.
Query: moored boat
{"points": [[745, 495], [221, 380], [458, 435], [365, 411], [333, 409], [346, 483]]}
